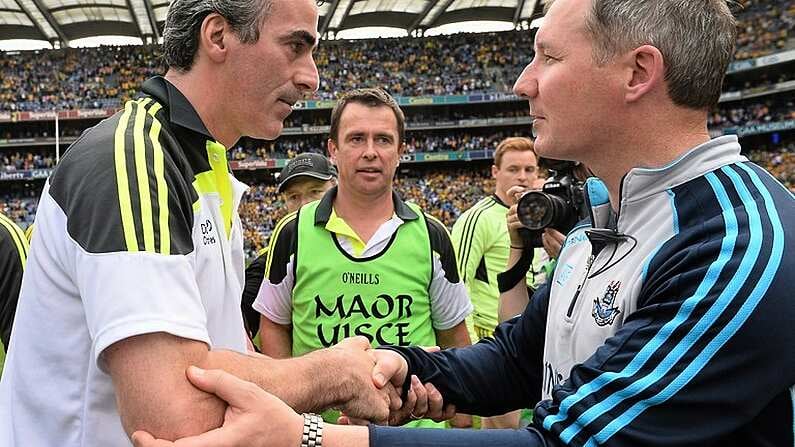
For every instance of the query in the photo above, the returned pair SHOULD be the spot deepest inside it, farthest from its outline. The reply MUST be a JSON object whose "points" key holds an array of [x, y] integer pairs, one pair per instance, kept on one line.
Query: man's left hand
{"points": [[253, 418]]}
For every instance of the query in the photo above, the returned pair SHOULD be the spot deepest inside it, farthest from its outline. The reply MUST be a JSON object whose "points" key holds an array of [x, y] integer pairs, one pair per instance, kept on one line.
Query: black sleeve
{"points": [[13, 252], [497, 374], [254, 275], [435, 437]]}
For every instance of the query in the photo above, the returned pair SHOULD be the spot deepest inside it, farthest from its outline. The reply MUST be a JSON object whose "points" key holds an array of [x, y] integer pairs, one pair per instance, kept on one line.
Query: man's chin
{"points": [[271, 131]]}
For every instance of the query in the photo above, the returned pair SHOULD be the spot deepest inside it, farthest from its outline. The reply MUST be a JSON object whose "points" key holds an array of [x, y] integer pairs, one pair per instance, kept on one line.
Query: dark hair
{"points": [[185, 18], [371, 97]]}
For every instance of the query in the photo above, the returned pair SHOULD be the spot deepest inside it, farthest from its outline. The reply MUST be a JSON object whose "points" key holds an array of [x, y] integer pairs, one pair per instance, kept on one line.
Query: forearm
{"points": [[276, 340], [455, 337], [310, 383], [146, 368], [345, 436], [512, 302]]}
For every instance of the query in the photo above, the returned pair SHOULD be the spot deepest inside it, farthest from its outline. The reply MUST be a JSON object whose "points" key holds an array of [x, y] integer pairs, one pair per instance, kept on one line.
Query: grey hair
{"points": [[184, 21], [696, 38]]}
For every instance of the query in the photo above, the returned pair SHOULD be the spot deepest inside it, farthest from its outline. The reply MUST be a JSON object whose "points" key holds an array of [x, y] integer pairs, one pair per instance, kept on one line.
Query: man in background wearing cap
{"points": [[361, 261], [304, 179]]}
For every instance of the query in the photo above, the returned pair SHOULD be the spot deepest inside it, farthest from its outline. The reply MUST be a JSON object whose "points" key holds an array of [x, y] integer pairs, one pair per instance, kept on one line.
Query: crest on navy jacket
{"points": [[604, 309]]}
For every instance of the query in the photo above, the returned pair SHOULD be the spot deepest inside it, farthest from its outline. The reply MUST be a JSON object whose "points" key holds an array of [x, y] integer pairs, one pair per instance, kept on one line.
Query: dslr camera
{"points": [[559, 204]]}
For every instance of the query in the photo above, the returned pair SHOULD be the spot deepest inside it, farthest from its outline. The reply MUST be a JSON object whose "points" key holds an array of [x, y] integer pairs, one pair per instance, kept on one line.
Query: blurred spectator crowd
{"points": [[778, 161], [443, 192], [91, 78], [754, 113], [764, 26], [425, 141], [23, 161]]}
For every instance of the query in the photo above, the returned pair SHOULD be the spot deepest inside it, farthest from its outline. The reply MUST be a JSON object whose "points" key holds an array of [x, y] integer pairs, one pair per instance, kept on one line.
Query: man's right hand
{"points": [[390, 368], [424, 401], [360, 396], [253, 417], [512, 219]]}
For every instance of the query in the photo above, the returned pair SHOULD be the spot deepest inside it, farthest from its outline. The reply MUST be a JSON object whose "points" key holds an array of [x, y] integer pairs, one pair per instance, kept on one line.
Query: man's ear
{"points": [[646, 69], [494, 170], [331, 147], [214, 35]]}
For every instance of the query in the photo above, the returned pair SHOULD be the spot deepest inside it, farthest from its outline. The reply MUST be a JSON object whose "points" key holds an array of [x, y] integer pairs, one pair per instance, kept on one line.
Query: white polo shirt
{"points": [[112, 260]]}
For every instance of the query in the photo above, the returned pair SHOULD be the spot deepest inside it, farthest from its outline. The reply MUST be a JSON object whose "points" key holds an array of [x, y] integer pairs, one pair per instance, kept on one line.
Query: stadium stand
{"points": [[455, 91]]}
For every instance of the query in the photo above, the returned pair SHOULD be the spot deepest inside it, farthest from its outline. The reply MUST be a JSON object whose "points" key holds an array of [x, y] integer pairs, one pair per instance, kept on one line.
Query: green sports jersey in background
{"points": [[480, 238]]}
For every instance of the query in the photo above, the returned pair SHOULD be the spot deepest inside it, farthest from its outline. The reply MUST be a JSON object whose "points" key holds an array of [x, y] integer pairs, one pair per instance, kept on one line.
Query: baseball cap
{"points": [[307, 164]]}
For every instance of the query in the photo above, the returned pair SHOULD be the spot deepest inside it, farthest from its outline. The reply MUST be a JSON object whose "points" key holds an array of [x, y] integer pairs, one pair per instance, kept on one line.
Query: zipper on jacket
{"points": [[591, 260]]}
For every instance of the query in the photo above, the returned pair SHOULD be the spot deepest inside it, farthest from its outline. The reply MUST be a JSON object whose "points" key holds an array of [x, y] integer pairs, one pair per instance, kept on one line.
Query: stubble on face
{"points": [[264, 81], [367, 151]]}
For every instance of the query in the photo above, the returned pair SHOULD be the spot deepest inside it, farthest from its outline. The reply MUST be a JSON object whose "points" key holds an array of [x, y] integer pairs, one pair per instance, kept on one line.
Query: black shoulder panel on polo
{"points": [[114, 180], [11, 270], [284, 244], [440, 243], [186, 125]]}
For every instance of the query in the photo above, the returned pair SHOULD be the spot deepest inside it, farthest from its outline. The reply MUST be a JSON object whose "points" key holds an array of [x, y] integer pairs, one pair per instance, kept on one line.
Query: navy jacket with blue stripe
{"points": [[679, 332]]}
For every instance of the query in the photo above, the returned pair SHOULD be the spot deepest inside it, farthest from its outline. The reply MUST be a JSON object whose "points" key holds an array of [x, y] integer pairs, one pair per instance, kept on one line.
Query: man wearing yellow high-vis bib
{"points": [[361, 261]]}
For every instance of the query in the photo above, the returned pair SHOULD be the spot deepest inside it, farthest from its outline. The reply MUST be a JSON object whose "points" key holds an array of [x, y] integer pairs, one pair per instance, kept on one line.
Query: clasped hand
{"points": [[255, 417]]}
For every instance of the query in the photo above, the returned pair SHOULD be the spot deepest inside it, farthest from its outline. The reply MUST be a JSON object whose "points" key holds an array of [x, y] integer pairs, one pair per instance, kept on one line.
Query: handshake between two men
{"points": [[366, 384]]}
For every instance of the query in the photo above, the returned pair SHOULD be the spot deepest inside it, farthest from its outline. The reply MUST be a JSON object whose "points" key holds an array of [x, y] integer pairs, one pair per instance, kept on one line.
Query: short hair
{"points": [[185, 18], [370, 97], [697, 39], [518, 144]]}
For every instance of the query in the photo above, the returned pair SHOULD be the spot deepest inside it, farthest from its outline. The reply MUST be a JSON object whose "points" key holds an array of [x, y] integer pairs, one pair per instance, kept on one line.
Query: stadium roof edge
{"points": [[61, 21]]}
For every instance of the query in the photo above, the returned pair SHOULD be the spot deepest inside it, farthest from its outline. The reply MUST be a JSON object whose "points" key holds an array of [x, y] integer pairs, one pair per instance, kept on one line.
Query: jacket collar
{"points": [[180, 110], [323, 211]]}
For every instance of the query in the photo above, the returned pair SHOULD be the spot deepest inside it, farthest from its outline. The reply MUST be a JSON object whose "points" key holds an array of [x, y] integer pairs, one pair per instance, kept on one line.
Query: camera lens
{"points": [[535, 210]]}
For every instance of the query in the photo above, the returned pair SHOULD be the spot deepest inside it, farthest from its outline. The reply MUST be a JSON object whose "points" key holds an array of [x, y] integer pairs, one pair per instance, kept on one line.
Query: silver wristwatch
{"points": [[313, 431]]}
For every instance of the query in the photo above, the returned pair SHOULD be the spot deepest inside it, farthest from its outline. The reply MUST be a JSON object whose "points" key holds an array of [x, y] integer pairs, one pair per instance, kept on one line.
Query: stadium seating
{"points": [[105, 77]]}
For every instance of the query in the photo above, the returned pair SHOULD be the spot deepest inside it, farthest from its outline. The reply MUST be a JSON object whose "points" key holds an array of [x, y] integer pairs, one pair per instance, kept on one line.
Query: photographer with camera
{"points": [[482, 245], [541, 217]]}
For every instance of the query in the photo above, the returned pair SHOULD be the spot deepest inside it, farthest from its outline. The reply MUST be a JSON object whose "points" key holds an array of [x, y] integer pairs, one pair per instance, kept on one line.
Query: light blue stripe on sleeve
{"points": [[643, 356], [739, 318]]}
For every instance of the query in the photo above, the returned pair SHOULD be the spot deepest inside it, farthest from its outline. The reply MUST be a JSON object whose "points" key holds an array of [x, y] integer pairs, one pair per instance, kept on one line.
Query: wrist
{"points": [[338, 382], [326, 386], [312, 431]]}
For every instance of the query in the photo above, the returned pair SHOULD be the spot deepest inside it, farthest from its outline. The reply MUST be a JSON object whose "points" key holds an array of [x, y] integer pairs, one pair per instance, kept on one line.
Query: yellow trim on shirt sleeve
{"points": [[125, 205]]}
